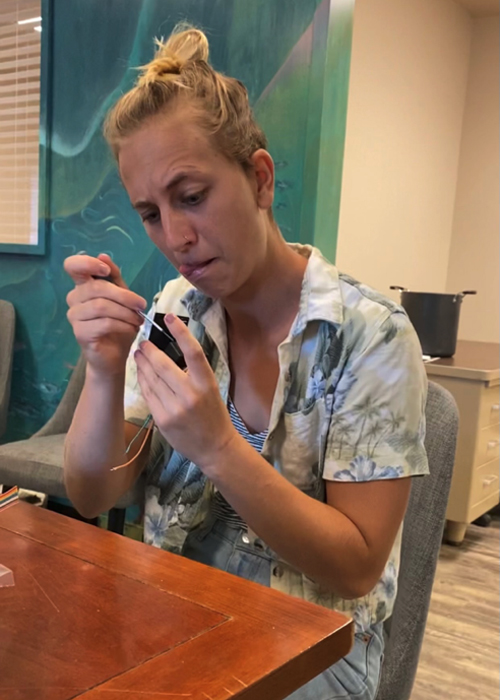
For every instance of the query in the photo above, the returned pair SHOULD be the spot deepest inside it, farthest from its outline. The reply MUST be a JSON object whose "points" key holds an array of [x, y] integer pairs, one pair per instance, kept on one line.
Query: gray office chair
{"points": [[7, 329], [422, 537], [36, 463]]}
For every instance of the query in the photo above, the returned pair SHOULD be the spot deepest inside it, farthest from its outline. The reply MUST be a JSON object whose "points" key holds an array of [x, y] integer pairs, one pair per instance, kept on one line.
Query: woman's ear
{"points": [[263, 169]]}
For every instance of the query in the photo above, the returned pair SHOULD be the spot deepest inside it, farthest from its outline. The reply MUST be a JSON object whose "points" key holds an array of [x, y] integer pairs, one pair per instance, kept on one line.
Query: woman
{"points": [[282, 453]]}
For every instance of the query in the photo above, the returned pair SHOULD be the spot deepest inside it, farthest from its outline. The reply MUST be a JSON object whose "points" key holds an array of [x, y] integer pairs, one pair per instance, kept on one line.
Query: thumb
{"points": [[115, 274]]}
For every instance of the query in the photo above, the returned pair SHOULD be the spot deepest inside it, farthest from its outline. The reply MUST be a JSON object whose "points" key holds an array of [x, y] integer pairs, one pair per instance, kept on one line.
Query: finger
{"points": [[99, 289], [196, 362], [104, 308], [155, 405], [81, 268], [114, 271], [164, 367], [92, 331], [160, 388]]}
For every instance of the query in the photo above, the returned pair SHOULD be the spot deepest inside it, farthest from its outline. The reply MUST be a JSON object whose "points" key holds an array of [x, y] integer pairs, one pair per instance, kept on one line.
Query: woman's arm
{"points": [[342, 544], [105, 323], [96, 442]]}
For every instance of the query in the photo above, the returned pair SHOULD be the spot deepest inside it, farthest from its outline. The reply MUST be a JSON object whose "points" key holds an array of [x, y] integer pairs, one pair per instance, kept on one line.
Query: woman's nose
{"points": [[177, 230]]}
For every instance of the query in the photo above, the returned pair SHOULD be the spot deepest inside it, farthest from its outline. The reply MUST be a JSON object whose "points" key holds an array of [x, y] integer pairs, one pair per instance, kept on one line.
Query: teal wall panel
{"points": [[287, 53]]}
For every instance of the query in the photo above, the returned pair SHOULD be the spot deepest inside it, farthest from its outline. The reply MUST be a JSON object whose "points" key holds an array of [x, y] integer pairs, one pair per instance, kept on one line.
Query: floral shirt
{"points": [[349, 406]]}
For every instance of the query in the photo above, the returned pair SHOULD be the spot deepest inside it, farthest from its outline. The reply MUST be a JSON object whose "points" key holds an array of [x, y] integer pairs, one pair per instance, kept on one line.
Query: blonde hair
{"points": [[180, 71]]}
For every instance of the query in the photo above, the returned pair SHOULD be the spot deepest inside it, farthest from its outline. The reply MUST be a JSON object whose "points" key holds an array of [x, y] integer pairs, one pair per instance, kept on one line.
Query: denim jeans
{"points": [[225, 547]]}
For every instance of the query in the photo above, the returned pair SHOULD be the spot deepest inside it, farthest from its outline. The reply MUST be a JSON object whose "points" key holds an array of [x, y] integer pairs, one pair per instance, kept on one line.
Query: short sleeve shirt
{"points": [[349, 406]]}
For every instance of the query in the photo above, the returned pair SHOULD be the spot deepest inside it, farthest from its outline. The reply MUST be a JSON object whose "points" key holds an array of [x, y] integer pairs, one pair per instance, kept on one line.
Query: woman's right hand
{"points": [[103, 314]]}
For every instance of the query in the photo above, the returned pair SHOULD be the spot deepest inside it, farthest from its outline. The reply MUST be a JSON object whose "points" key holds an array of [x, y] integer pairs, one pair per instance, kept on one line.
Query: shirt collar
{"points": [[197, 303], [320, 297]]}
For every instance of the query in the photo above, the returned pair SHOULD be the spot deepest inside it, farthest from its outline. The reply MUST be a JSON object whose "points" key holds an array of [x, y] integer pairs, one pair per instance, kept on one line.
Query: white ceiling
{"points": [[480, 8]]}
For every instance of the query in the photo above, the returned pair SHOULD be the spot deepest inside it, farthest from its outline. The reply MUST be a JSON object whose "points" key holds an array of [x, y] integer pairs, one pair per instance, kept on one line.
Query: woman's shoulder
{"points": [[359, 296], [341, 298], [370, 317]]}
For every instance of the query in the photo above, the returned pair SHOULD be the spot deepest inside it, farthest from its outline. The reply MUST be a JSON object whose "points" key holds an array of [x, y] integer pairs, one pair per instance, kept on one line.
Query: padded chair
{"points": [[36, 464], [422, 536], [7, 329]]}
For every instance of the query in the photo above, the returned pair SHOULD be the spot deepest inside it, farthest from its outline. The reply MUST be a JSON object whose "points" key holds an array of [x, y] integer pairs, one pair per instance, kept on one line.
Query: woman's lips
{"points": [[196, 270]]}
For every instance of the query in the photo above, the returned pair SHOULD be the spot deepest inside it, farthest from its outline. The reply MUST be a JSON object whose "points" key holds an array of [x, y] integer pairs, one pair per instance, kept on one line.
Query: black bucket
{"points": [[435, 318]]}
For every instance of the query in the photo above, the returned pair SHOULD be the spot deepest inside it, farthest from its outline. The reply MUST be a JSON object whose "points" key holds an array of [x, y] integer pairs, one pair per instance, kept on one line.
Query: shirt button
{"points": [[278, 571], [245, 539]]}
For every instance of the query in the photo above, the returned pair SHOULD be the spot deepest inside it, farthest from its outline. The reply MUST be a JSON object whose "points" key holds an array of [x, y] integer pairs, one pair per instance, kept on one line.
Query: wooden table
{"points": [[472, 375], [95, 615]]}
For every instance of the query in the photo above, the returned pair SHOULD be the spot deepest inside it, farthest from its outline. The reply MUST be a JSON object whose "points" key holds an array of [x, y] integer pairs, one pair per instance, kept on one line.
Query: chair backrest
{"points": [[7, 330], [61, 420], [422, 537]]}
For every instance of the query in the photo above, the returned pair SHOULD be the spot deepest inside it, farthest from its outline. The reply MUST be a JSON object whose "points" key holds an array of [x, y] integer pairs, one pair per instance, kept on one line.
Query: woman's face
{"points": [[206, 215]]}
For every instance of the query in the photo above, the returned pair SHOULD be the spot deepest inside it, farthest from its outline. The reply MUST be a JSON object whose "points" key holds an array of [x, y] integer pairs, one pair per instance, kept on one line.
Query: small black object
{"points": [[166, 342], [108, 278], [483, 520]]}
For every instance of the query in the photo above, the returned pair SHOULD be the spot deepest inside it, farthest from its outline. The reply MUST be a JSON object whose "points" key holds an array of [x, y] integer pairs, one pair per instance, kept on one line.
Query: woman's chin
{"points": [[211, 288]]}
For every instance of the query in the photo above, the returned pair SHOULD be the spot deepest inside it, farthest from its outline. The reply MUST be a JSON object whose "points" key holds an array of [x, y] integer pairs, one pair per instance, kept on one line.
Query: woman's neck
{"points": [[269, 301]]}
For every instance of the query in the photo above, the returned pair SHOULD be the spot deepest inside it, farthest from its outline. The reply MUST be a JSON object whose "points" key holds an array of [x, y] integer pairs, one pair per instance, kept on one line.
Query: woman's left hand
{"points": [[186, 405]]}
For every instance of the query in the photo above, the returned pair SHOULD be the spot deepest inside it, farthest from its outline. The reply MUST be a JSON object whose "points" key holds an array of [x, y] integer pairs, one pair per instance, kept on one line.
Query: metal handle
{"points": [[461, 295], [399, 289], [489, 480], [493, 443], [495, 407]]}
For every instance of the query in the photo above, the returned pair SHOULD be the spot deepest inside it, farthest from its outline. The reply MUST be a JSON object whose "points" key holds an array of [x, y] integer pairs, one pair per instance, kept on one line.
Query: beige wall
{"points": [[407, 92], [474, 255]]}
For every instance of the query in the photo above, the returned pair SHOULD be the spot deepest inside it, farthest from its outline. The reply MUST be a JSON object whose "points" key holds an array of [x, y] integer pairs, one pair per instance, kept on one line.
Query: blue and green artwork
{"points": [[293, 57]]}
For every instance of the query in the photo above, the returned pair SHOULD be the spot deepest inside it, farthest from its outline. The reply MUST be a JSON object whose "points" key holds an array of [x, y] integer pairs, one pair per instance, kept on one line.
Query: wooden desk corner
{"points": [[95, 615]]}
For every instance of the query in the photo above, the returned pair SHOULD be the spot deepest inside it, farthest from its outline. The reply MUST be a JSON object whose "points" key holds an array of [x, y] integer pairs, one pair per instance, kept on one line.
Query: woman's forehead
{"points": [[160, 154], [169, 140]]}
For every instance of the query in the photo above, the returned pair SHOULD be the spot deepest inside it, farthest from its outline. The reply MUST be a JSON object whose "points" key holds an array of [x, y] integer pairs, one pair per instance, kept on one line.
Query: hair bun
{"points": [[187, 42], [184, 44], [160, 67]]}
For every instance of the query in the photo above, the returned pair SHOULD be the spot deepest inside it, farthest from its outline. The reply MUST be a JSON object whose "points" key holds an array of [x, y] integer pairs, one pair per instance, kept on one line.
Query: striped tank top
{"points": [[220, 507]]}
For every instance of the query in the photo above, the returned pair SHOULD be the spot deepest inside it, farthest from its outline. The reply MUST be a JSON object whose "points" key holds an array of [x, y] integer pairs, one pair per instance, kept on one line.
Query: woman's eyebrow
{"points": [[172, 184]]}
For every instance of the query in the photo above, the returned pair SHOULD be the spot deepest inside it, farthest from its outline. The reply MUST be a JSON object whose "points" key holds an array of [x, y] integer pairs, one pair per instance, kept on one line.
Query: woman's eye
{"points": [[151, 217], [191, 200]]}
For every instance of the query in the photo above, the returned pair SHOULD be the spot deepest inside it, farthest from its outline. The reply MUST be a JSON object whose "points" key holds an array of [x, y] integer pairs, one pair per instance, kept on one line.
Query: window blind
{"points": [[20, 38]]}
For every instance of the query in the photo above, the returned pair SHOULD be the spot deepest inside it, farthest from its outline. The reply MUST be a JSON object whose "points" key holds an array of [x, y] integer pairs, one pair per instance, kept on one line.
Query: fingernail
{"points": [[104, 269], [169, 318]]}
